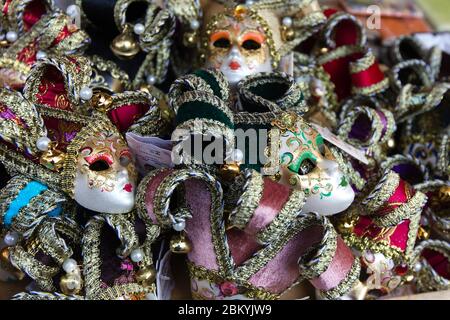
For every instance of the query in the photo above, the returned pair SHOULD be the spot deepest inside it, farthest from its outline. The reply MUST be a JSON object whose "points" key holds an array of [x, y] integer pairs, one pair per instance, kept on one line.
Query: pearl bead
{"points": [[11, 238], [151, 296], [69, 265], [41, 55], [42, 143], [151, 79], [139, 28], [287, 22], [11, 36], [86, 93], [195, 24], [137, 255], [179, 226], [417, 267], [249, 2], [72, 10], [237, 155]]}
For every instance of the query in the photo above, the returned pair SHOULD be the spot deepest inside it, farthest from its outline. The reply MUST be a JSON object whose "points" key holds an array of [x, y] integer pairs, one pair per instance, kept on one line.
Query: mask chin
{"points": [[120, 200]]}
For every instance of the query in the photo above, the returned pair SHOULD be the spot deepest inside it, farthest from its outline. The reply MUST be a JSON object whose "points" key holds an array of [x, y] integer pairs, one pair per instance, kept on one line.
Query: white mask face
{"points": [[106, 176], [308, 165], [238, 49]]}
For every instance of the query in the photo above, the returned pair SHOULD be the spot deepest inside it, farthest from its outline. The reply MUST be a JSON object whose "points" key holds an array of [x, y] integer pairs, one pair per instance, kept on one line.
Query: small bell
{"points": [[53, 158], [287, 34], [125, 46], [229, 171], [70, 284], [146, 276], [444, 193], [101, 101], [180, 244]]}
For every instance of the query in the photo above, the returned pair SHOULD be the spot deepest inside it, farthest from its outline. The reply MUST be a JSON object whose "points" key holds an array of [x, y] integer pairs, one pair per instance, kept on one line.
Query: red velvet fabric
{"points": [[28, 54], [438, 261], [33, 13], [401, 195], [368, 77], [61, 131], [124, 116]]}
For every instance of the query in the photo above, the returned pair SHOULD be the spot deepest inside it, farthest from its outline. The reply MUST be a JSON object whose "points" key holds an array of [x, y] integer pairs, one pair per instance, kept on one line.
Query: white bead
{"points": [[42, 143], [11, 36], [72, 10], [249, 2], [287, 22], [86, 93], [195, 24], [139, 28], [41, 55], [151, 79], [418, 267], [69, 265], [151, 296], [137, 255], [179, 226], [11, 238], [237, 155]]}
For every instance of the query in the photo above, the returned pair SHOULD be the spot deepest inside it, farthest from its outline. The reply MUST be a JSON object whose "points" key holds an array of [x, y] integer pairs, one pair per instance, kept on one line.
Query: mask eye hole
{"points": [[99, 165], [251, 44], [306, 167], [223, 43]]}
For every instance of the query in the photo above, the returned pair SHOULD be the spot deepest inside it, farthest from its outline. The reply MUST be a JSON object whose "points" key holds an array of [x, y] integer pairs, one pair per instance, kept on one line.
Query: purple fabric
{"points": [[361, 128], [384, 121]]}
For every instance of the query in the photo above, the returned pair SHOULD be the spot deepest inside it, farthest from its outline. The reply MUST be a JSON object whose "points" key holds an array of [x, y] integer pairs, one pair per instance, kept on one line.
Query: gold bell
{"points": [[180, 244], [70, 284], [4, 44], [229, 171], [101, 101], [146, 276], [53, 158], [444, 194], [423, 234], [287, 34], [125, 46]]}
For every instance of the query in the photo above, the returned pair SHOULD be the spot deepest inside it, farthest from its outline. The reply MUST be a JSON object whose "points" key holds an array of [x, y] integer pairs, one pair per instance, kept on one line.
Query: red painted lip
{"points": [[128, 187], [234, 65]]}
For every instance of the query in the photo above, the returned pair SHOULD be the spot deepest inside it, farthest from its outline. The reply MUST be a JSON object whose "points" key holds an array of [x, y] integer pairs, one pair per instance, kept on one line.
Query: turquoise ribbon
{"points": [[31, 190]]}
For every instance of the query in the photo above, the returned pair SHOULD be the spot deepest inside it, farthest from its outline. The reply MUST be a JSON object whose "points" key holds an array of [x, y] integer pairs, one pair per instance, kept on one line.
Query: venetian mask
{"points": [[106, 177], [238, 47], [307, 164]]}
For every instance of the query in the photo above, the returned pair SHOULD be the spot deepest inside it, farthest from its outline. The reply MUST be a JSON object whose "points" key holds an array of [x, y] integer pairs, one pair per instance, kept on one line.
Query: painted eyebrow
{"points": [[220, 34], [253, 35]]}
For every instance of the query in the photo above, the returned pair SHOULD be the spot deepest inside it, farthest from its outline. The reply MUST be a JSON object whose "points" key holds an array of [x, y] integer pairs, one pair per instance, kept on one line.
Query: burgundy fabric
{"points": [[33, 13], [438, 261], [51, 91], [124, 116]]}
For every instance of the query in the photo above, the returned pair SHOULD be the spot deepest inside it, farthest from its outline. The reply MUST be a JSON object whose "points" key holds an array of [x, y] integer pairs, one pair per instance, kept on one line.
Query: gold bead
{"points": [[101, 101], [189, 39], [4, 44], [180, 244], [70, 284], [323, 50], [146, 276], [125, 46], [240, 11]]}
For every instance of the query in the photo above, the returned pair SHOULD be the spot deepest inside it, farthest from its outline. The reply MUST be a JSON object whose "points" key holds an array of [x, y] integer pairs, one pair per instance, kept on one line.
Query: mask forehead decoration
{"points": [[239, 42]]}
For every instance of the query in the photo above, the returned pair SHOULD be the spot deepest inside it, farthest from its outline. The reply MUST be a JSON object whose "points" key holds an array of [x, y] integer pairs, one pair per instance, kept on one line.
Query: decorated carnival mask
{"points": [[238, 45], [307, 164]]}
